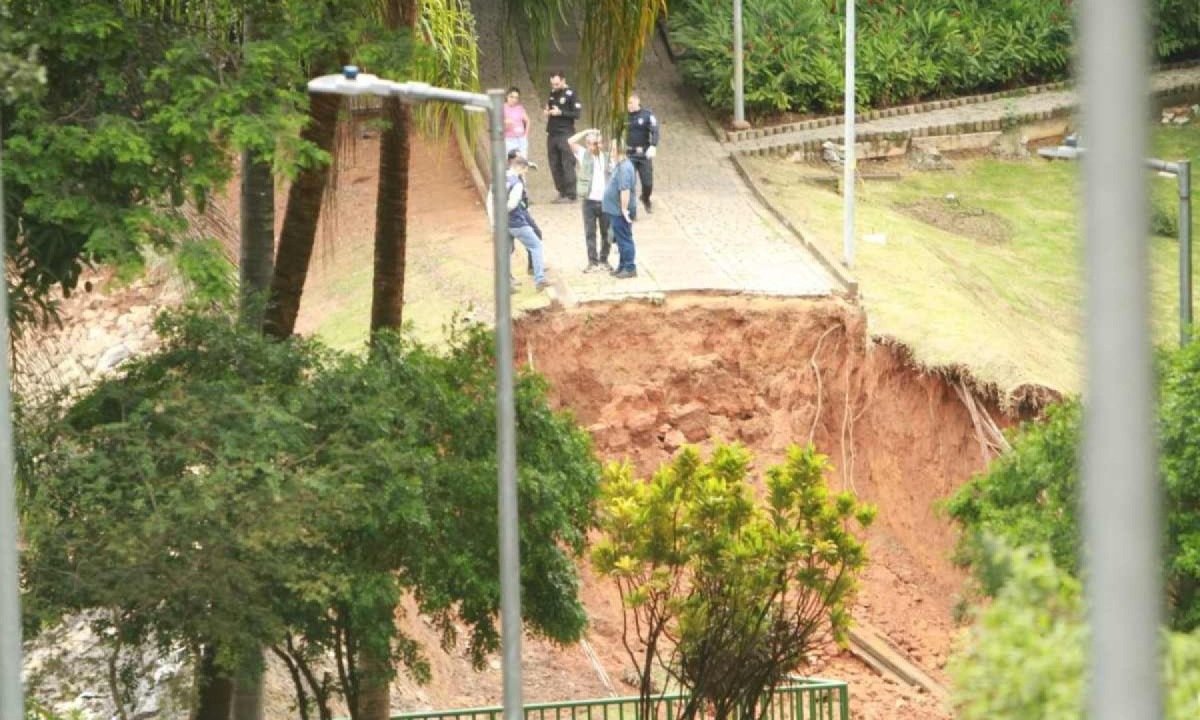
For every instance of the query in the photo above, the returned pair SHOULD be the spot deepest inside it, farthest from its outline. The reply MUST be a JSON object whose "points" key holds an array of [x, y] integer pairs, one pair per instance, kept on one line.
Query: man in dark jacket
{"points": [[641, 137], [561, 110]]}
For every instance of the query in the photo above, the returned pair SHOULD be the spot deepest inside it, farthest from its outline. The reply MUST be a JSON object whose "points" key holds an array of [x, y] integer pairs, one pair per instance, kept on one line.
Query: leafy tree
{"points": [[142, 105], [168, 497], [723, 594], [1030, 496], [234, 493], [1025, 656]]}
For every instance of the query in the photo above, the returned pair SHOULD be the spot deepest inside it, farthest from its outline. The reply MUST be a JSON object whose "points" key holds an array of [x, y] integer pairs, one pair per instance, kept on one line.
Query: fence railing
{"points": [[796, 699]]}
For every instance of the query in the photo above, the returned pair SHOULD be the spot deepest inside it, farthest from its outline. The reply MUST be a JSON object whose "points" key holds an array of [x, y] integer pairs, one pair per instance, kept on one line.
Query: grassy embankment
{"points": [[991, 279]]}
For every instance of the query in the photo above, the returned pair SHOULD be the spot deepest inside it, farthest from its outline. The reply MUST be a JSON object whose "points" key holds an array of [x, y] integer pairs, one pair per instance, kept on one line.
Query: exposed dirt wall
{"points": [[646, 378]]}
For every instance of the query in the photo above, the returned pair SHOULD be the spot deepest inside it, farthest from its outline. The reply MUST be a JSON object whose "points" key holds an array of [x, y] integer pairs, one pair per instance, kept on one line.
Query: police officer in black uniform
{"points": [[641, 137], [561, 110]]}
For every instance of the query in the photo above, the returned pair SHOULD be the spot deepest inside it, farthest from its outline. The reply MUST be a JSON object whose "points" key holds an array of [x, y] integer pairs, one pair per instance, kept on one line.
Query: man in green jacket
{"points": [[592, 170]]}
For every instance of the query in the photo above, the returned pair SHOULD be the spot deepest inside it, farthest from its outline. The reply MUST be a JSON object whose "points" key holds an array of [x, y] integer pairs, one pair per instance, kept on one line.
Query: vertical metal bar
{"points": [[739, 95], [506, 434], [850, 166], [10, 609], [1183, 176], [1120, 489]]}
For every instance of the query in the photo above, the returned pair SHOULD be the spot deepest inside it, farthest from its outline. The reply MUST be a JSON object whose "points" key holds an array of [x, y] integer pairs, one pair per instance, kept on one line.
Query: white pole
{"points": [[850, 162], [506, 429], [739, 95], [1120, 495], [351, 82], [10, 608]]}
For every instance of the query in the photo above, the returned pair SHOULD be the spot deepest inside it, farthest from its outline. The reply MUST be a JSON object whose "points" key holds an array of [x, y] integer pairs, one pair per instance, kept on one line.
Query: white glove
{"points": [[651, 151]]}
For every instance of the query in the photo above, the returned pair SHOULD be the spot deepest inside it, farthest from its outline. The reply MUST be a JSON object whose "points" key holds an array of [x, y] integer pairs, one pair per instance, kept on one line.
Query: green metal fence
{"points": [[797, 699]]}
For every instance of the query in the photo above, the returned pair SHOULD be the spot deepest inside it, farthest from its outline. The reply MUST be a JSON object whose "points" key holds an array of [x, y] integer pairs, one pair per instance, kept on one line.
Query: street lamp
{"points": [[352, 82], [10, 613], [849, 158], [739, 93], [1182, 170]]}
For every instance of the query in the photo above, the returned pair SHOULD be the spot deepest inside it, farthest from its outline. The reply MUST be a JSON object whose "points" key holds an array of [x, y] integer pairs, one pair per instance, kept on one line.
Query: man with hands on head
{"points": [[593, 169]]}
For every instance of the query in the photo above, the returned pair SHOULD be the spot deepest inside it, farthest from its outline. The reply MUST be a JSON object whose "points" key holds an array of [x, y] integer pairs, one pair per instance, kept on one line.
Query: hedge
{"points": [[908, 50]]}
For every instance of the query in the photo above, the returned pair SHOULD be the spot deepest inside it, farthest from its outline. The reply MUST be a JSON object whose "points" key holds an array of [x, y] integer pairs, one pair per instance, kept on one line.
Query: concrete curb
{"points": [[811, 148], [735, 136], [849, 284], [872, 646], [472, 162]]}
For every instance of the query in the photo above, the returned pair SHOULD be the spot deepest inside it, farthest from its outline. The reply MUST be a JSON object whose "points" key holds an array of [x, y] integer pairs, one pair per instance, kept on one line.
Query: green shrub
{"points": [[1026, 655], [907, 49], [1029, 497]]}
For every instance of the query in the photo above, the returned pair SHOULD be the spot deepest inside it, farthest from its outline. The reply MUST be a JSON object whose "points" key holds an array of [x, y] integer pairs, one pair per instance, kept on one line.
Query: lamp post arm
{"points": [[418, 92]]}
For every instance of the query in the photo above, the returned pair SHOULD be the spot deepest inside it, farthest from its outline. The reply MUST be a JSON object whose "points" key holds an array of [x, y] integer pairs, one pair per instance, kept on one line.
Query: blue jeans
{"points": [[623, 236], [531, 242]]}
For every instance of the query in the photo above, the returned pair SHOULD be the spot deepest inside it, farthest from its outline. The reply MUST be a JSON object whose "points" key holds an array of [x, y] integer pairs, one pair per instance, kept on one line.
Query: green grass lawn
{"points": [[996, 285], [437, 287]]}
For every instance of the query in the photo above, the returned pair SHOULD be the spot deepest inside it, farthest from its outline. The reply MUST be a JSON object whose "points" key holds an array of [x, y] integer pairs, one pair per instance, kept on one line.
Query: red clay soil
{"points": [[646, 378]]}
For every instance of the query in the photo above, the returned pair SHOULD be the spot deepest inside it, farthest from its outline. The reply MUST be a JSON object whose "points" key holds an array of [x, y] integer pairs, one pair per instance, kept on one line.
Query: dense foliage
{"points": [[906, 49], [142, 108], [1029, 496], [724, 593], [236, 493], [1025, 655]]}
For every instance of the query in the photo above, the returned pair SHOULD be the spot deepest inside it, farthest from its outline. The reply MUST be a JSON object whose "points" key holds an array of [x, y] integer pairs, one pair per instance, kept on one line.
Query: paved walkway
{"points": [[1056, 102], [707, 232]]}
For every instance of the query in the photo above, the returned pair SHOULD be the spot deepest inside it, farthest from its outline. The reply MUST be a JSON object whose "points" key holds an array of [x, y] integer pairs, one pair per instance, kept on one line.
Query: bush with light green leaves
{"points": [[1025, 656]]}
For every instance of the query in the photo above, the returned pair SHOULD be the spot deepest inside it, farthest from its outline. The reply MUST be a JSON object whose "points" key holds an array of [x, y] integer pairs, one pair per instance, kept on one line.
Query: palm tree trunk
{"points": [[299, 232], [374, 696], [391, 210], [248, 698], [257, 261], [215, 690], [248, 693], [391, 222]]}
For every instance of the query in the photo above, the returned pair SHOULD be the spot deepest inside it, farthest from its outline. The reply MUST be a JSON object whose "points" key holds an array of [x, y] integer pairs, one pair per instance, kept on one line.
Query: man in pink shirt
{"points": [[516, 124]]}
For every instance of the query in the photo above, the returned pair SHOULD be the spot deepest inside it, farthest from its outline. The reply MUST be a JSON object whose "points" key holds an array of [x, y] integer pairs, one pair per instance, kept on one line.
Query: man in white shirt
{"points": [[591, 176]]}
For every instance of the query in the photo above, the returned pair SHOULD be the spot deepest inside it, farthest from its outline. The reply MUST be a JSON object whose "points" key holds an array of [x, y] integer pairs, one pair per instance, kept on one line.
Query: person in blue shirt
{"points": [[620, 206]]}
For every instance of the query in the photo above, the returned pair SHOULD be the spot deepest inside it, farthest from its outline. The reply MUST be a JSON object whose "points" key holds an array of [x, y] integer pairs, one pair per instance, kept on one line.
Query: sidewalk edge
{"points": [[849, 284]]}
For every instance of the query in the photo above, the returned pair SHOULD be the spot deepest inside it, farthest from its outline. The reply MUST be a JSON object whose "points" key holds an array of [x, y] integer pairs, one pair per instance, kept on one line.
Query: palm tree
{"points": [[391, 209], [300, 219]]}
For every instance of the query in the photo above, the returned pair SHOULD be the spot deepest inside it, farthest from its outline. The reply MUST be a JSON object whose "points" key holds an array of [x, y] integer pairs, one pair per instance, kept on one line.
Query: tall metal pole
{"points": [[1120, 488], [850, 166], [10, 609], [1183, 176], [506, 435], [739, 96]]}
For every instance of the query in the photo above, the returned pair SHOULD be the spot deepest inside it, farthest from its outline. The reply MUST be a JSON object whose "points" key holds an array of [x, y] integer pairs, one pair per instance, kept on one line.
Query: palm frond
{"points": [[614, 39], [535, 20], [446, 29]]}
